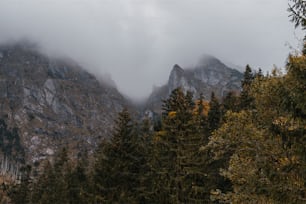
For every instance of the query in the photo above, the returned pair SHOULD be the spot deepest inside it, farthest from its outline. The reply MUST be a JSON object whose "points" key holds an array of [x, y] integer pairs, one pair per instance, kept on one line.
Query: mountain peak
{"points": [[210, 75], [177, 68], [177, 73], [208, 60]]}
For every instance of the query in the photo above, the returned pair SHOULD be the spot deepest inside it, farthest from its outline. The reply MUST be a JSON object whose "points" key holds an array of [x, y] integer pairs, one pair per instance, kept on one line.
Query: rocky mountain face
{"points": [[47, 104], [54, 103], [209, 75]]}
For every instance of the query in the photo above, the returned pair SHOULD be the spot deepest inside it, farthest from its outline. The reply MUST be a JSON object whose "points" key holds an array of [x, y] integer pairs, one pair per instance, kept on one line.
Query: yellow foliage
{"points": [[172, 114], [205, 107], [284, 161], [157, 137]]}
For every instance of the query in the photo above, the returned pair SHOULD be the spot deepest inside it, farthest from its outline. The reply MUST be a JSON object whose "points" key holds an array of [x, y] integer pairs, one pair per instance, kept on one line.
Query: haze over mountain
{"points": [[209, 75], [53, 103], [139, 41]]}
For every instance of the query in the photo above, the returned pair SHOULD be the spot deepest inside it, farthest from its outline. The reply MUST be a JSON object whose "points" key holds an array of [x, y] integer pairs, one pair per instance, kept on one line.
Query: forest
{"points": [[247, 147]]}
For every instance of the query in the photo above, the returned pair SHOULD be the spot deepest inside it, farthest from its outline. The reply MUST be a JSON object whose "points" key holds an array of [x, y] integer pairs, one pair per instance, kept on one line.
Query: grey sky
{"points": [[138, 41]]}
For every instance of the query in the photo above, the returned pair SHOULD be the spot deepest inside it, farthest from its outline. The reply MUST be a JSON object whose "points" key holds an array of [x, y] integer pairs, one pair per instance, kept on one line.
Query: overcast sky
{"points": [[138, 41]]}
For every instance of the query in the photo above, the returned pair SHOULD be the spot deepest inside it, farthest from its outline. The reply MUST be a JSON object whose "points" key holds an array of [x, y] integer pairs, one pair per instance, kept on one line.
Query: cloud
{"points": [[138, 41]]}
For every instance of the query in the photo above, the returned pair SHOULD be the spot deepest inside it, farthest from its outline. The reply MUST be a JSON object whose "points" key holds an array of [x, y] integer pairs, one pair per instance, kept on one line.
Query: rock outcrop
{"points": [[54, 103], [210, 75]]}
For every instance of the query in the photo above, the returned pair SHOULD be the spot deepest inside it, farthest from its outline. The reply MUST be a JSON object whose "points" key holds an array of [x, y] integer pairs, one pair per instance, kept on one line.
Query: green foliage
{"points": [[78, 183], [120, 165], [246, 100], [178, 162], [266, 145], [51, 186], [253, 155], [230, 103], [249, 149], [214, 113], [60, 183]]}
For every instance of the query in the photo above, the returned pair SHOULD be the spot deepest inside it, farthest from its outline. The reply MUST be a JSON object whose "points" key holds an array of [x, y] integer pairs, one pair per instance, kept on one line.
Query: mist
{"points": [[138, 41]]}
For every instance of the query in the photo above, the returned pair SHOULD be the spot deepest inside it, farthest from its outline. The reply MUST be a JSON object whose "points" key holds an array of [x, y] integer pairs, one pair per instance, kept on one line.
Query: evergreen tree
{"points": [[230, 103], [117, 174], [44, 191], [214, 113], [201, 117], [78, 183], [52, 186], [146, 193], [246, 101], [266, 147], [179, 176]]}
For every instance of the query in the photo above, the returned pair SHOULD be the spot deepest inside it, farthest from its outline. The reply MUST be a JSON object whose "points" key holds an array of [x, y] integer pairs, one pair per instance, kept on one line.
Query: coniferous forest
{"points": [[247, 147]]}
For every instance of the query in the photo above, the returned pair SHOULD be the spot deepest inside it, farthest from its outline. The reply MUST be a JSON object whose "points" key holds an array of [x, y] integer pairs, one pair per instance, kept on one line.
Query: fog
{"points": [[138, 41]]}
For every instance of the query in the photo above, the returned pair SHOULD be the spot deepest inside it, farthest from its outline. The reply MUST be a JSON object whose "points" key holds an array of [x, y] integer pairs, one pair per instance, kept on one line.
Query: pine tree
{"points": [[246, 101], [117, 174], [230, 103], [78, 183], [179, 176], [145, 145], [214, 113], [51, 186], [265, 147], [44, 190], [201, 117]]}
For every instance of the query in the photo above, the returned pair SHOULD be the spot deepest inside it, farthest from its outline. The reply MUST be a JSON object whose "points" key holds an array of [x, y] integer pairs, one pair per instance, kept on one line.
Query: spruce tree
{"points": [[230, 103], [214, 113], [246, 100], [78, 183], [117, 173], [266, 146], [51, 186], [179, 176]]}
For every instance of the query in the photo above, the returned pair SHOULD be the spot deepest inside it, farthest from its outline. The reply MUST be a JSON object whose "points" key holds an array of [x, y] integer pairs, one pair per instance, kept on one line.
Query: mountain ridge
{"points": [[54, 103], [209, 75]]}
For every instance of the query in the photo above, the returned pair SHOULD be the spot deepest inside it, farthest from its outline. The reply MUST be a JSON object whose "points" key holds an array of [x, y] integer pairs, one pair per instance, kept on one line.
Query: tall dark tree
{"points": [[230, 103], [201, 113], [179, 176], [118, 169], [51, 186], [146, 133], [78, 183], [246, 100], [214, 113]]}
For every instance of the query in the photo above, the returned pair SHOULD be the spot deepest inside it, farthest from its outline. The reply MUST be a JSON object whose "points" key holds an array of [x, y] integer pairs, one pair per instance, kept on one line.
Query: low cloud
{"points": [[137, 42]]}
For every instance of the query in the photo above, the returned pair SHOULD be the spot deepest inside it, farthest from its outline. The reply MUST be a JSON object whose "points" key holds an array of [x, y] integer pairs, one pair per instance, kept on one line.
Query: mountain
{"points": [[54, 103], [47, 104], [210, 74]]}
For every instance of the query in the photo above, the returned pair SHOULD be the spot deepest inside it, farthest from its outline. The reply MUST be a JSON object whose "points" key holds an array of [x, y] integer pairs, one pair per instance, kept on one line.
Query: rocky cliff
{"points": [[54, 103], [210, 74]]}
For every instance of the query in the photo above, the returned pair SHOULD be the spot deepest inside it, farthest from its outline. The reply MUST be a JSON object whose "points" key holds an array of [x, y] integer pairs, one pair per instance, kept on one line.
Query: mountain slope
{"points": [[54, 103], [209, 75]]}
